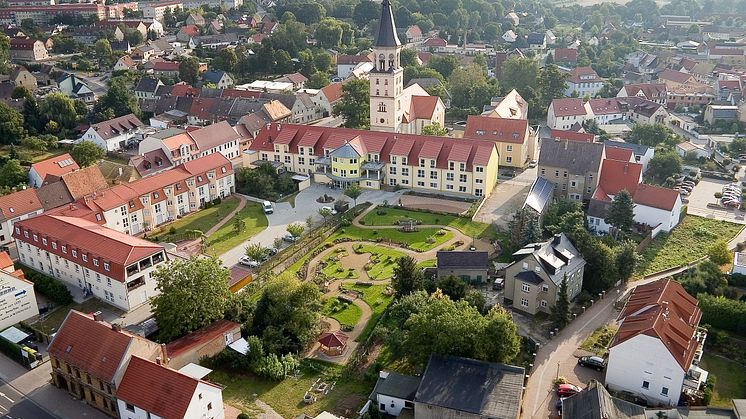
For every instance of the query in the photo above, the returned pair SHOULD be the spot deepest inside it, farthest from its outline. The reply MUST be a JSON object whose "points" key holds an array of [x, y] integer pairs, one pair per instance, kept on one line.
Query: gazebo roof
{"points": [[333, 340]]}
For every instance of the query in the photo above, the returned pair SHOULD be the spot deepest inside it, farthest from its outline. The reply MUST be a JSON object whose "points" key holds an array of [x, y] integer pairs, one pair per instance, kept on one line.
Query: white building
{"points": [[564, 113], [156, 9], [739, 263], [17, 299], [15, 207], [657, 349], [106, 263], [185, 146], [113, 134], [642, 153], [583, 81], [394, 392]]}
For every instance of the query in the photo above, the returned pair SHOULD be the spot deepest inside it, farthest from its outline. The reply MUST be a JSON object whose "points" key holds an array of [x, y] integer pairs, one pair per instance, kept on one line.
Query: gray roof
{"points": [[462, 259], [346, 151], [53, 195], [467, 385], [637, 149], [596, 403], [692, 413], [540, 195], [396, 385], [576, 157], [387, 36], [147, 84], [536, 38], [213, 76], [530, 277], [558, 256], [598, 208]]}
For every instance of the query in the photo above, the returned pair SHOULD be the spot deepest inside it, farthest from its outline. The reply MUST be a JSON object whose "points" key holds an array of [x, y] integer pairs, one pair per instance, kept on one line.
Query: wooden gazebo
{"points": [[333, 343]]}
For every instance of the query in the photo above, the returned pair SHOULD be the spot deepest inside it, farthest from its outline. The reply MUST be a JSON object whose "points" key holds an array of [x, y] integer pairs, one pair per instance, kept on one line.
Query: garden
{"points": [[252, 221], [202, 220], [382, 260], [345, 312], [392, 216]]}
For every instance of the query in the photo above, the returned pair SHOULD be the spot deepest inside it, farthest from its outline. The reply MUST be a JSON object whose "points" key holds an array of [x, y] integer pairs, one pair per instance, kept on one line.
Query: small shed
{"points": [[333, 343], [471, 266]]}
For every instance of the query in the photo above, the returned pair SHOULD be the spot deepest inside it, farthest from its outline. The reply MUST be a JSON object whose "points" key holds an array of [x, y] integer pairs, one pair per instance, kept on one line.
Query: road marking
{"points": [[6, 397]]}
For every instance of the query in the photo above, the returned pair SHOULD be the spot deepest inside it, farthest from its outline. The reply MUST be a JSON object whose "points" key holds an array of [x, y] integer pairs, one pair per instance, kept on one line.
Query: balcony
{"points": [[694, 380], [135, 283]]}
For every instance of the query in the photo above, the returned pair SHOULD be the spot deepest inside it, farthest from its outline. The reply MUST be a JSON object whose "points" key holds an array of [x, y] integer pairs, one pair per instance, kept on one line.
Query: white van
{"points": [[267, 207]]}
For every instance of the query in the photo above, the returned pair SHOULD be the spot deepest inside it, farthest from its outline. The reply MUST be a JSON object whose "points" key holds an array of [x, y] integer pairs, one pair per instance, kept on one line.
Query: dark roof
{"points": [[54, 195], [540, 195], [147, 84], [536, 38], [529, 276], [472, 386], [462, 259], [638, 149], [387, 36], [576, 157], [213, 76], [596, 403], [396, 385]]}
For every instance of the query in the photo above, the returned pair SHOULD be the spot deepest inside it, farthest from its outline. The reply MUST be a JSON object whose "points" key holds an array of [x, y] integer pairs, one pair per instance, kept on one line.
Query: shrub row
{"points": [[722, 313], [50, 287]]}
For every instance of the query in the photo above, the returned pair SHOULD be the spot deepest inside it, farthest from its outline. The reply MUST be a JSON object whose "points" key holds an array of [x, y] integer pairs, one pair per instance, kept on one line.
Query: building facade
{"points": [[572, 166], [15, 207]]}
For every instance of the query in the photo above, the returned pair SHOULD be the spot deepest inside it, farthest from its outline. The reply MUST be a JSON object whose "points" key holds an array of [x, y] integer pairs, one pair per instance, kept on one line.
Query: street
{"points": [[14, 405]]}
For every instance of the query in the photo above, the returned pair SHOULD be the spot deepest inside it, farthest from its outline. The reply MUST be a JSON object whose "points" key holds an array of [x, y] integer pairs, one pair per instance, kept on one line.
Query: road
{"points": [[507, 197], [14, 405]]}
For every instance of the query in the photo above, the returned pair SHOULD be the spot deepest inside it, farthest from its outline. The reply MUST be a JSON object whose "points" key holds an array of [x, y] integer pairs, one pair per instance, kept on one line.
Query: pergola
{"points": [[333, 343]]}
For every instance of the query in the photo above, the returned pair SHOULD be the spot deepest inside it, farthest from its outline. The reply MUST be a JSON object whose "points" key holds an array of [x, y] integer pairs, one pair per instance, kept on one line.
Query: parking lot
{"points": [[703, 194]]}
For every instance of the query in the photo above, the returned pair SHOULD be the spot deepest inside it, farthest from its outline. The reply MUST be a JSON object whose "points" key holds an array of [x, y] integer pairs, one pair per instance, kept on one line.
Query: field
{"points": [[422, 240], [688, 242], [226, 238], [392, 215], [730, 380]]}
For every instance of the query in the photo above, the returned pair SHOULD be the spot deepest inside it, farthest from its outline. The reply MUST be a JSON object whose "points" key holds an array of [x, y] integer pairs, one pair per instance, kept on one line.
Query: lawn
{"points": [[53, 320], [422, 240], [391, 215], [430, 263], [333, 267], [730, 382], [688, 242], [383, 260], [34, 156], [286, 396], [226, 238], [202, 220], [599, 340], [375, 296], [347, 314]]}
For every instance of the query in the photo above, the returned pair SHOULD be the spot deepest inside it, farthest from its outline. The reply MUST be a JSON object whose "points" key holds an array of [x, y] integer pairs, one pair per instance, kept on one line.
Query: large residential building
{"points": [[573, 166], [565, 113], [114, 134], [112, 266], [532, 282], [465, 167], [642, 153], [511, 106], [569, 114], [27, 49], [394, 108], [43, 14], [155, 10], [654, 92], [515, 141], [15, 207], [657, 348], [138, 206], [189, 145], [583, 81]]}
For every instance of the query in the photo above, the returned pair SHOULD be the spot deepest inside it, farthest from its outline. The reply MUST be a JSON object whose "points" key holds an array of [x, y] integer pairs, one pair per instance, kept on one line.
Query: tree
{"points": [[552, 83], [239, 225], [408, 276], [192, 294], [353, 106], [353, 191], [118, 101], [21, 92], [663, 165], [134, 37], [59, 108], [11, 125], [434, 129], [103, 50], [322, 61], [408, 57], [324, 213], [329, 33], [86, 153], [453, 287], [621, 212], [226, 60], [317, 80], [652, 134], [561, 309], [4, 52], [256, 251], [470, 88], [719, 253], [189, 70], [520, 74], [295, 229], [12, 174], [444, 64], [31, 116], [364, 12], [626, 259], [500, 341], [531, 231], [553, 218]]}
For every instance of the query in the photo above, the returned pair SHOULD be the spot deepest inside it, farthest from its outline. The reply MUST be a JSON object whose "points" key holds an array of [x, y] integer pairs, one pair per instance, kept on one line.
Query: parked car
{"points": [[592, 362], [498, 284], [267, 207], [532, 163], [567, 390], [732, 204], [289, 238], [247, 261], [460, 123], [271, 251], [331, 210]]}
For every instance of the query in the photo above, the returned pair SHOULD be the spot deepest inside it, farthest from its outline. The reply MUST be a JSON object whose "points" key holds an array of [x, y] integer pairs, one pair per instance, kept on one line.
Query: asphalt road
{"points": [[14, 405]]}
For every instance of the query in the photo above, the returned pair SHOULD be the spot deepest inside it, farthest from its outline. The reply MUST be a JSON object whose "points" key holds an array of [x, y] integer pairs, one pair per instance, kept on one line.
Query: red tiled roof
{"points": [[656, 197], [414, 31], [583, 75], [425, 56], [664, 310], [333, 339], [571, 135], [191, 30], [166, 66], [22, 43], [725, 51], [157, 389], [56, 166], [675, 76], [566, 55], [650, 90], [618, 153], [430, 150], [117, 126], [333, 92], [423, 107], [84, 181], [352, 59], [19, 203], [605, 106], [435, 42], [568, 107], [90, 345], [618, 175], [201, 337], [5, 261], [496, 129], [296, 78]]}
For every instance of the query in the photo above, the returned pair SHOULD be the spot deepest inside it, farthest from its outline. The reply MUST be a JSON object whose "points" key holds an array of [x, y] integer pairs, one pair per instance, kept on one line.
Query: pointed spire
{"points": [[387, 36]]}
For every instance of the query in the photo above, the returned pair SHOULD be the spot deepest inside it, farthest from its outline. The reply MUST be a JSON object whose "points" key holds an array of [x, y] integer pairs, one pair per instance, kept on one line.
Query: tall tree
{"points": [[12, 174], [444, 64], [189, 70], [531, 231], [354, 106], [626, 259], [317, 80], [353, 191], [663, 165], [59, 108], [4, 52], [455, 288], [86, 153], [192, 294], [256, 251], [118, 101], [719, 253], [561, 309], [11, 125], [622, 212], [652, 135], [552, 83], [103, 50], [520, 74], [408, 276], [329, 33], [295, 229]]}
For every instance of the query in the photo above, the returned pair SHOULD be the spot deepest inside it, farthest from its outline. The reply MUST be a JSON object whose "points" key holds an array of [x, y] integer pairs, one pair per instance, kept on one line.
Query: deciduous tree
{"points": [[11, 125], [407, 276], [189, 70], [12, 174], [719, 253], [86, 153], [295, 229], [353, 191], [256, 251], [663, 165], [621, 212], [353, 106], [434, 129]]}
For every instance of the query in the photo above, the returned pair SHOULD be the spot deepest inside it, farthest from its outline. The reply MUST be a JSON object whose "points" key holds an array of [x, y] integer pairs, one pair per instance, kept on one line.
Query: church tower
{"points": [[387, 78]]}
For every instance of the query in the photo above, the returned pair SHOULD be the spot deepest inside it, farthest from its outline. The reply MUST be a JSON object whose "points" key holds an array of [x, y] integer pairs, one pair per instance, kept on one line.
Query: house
{"points": [[54, 195], [187, 32], [20, 76], [559, 135], [583, 81], [146, 87], [515, 142], [93, 372], [27, 49], [329, 96], [605, 111], [654, 92], [511, 106], [688, 148], [151, 389], [18, 299], [125, 62], [195, 19], [166, 69], [413, 34], [74, 88], [657, 349], [657, 206], [537, 41], [676, 79], [205, 342], [642, 153], [80, 183], [15, 207], [572, 166], [347, 63], [219, 78], [150, 163], [156, 9], [564, 113], [509, 36], [99, 261], [55, 166], [512, 18], [394, 392], [470, 389], [565, 56], [114, 134], [298, 80], [720, 113], [533, 280], [469, 266], [434, 44], [185, 146], [539, 197]]}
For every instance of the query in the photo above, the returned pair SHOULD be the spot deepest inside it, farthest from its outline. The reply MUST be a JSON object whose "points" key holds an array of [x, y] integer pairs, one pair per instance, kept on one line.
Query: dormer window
{"points": [[54, 245], [18, 230], [199, 178], [64, 249], [85, 258], [95, 262], [44, 241], [75, 253], [36, 238]]}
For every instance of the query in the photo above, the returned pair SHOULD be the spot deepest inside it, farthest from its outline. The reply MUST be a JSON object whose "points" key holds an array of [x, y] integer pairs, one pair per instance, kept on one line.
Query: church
{"points": [[392, 107]]}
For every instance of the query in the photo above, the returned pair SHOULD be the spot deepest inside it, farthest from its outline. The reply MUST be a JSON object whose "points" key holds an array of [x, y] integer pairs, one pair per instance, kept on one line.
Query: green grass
{"points": [[54, 320], [730, 380], [226, 238], [201, 220], [417, 240], [430, 263], [599, 340], [347, 314], [286, 396], [34, 156], [392, 215], [376, 298], [333, 268], [688, 242], [386, 260]]}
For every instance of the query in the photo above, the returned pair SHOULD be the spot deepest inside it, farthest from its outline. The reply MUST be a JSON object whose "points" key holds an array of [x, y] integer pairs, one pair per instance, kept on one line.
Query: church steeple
{"points": [[387, 36]]}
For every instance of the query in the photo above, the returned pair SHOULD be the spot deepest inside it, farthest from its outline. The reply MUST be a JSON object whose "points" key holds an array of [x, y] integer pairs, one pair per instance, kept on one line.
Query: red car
{"points": [[567, 390]]}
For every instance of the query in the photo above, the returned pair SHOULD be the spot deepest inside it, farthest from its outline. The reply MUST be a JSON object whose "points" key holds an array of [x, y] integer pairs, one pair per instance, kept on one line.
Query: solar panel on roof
{"points": [[65, 163]]}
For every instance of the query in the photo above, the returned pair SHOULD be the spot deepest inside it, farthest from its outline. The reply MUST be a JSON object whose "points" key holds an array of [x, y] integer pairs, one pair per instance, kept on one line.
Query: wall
{"points": [[470, 275], [391, 405], [82, 385], [6, 227], [207, 402], [654, 216], [424, 411], [645, 358]]}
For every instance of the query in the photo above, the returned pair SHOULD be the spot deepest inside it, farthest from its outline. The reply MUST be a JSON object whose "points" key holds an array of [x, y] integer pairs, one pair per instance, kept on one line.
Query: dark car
{"points": [[592, 362]]}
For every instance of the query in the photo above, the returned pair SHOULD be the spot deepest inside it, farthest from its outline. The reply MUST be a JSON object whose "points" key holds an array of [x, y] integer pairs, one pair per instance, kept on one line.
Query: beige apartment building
{"points": [[573, 167]]}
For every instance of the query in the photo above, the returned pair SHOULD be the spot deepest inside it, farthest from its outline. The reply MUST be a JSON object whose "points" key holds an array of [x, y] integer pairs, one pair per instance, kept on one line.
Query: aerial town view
{"points": [[368, 209]]}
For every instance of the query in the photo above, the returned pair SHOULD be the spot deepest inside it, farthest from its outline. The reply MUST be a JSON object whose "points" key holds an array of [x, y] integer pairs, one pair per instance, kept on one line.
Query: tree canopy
{"points": [[354, 104], [86, 153]]}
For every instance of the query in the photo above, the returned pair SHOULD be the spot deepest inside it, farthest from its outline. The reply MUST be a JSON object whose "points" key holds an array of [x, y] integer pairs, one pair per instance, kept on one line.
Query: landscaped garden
{"points": [[688, 242], [382, 260], [391, 216], [346, 313], [422, 240], [227, 238], [730, 379], [333, 266], [377, 297], [202, 220]]}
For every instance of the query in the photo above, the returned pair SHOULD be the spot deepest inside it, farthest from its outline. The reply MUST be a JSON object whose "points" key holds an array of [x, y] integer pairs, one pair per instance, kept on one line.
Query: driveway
{"points": [[704, 193], [507, 197]]}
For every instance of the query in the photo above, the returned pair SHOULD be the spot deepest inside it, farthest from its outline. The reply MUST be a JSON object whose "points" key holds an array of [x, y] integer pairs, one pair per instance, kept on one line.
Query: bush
{"points": [[722, 313], [216, 201], [172, 230], [718, 195], [50, 287], [737, 280], [243, 415]]}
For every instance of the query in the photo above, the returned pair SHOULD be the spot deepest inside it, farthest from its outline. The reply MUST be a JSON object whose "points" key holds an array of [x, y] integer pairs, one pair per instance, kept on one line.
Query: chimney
{"points": [[158, 360], [567, 142], [556, 239], [98, 316], [164, 353], [120, 171], [116, 327]]}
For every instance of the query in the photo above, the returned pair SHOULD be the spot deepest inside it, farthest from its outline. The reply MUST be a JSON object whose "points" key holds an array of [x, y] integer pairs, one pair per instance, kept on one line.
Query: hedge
{"points": [[48, 286], [723, 313], [12, 350]]}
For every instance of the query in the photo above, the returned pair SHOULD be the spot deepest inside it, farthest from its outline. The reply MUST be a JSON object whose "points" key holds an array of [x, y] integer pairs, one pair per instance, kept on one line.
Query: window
{"points": [[449, 187], [420, 183], [209, 406], [645, 385], [545, 287], [543, 303], [405, 171], [36, 238], [524, 302], [106, 266], [478, 192], [432, 164], [462, 178], [420, 173], [556, 173], [478, 180], [85, 258], [54, 245], [95, 262], [393, 159], [664, 391], [449, 176], [525, 287], [422, 162], [508, 159], [462, 189], [433, 174], [392, 170], [108, 281], [451, 165], [479, 169], [130, 407], [462, 167], [433, 185], [509, 148], [44, 241]]}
